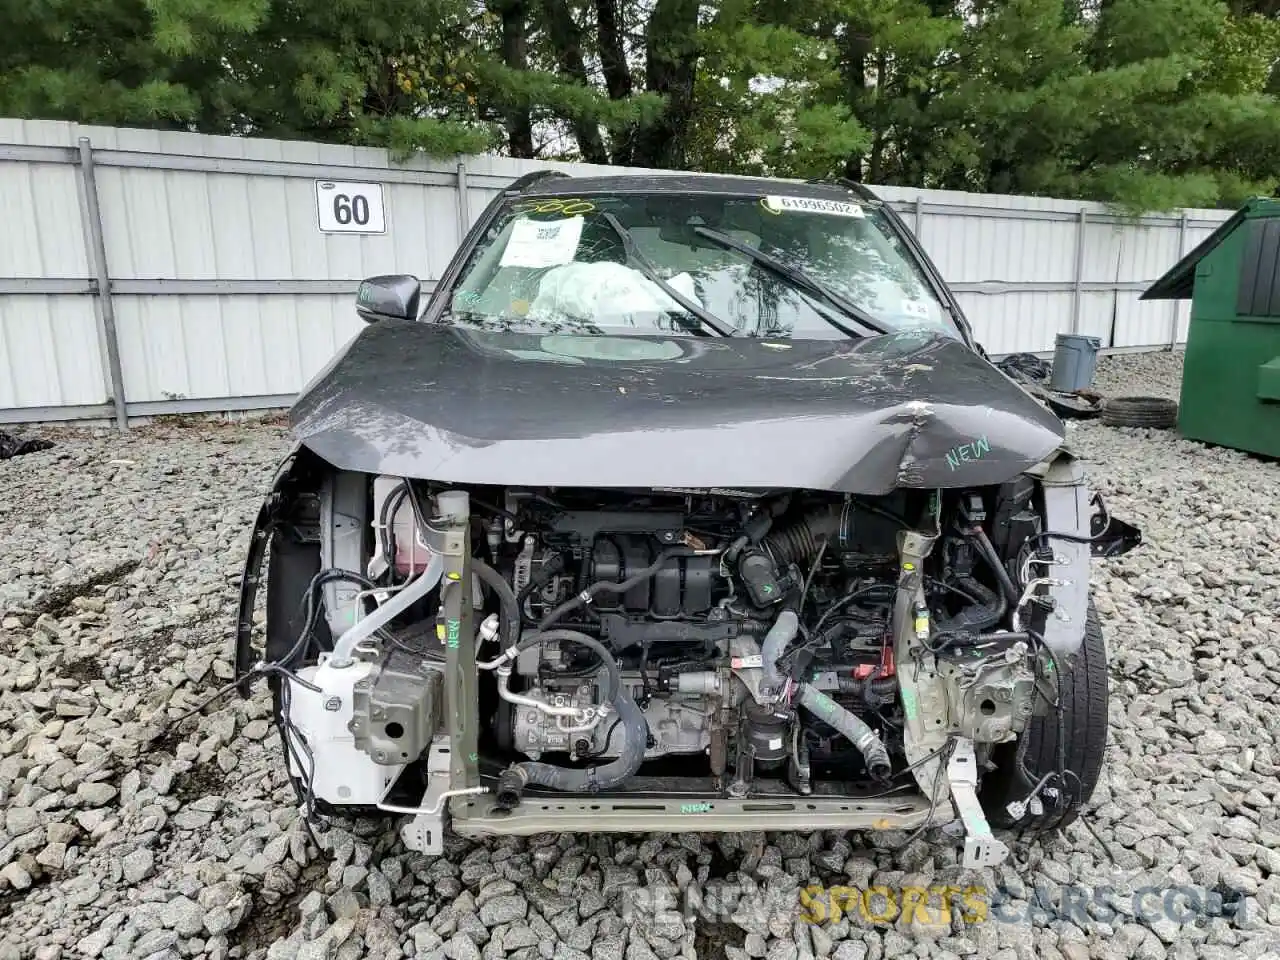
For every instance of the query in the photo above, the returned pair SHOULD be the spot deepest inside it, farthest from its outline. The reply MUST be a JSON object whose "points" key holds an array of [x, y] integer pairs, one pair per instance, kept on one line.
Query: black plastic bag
{"points": [[11, 446], [1025, 366]]}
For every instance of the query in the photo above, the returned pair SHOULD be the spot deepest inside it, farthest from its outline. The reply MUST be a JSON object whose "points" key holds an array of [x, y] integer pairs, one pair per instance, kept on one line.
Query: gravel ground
{"points": [[123, 835]]}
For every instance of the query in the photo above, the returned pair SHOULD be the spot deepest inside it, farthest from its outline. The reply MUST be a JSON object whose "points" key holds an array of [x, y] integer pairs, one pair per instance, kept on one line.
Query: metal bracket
{"points": [[924, 693], [1067, 510], [981, 849], [425, 832]]}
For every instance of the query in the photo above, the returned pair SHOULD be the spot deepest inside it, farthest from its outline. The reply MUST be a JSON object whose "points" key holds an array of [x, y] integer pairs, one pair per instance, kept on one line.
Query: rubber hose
{"points": [[510, 621], [988, 551], [614, 686], [850, 726], [635, 733], [984, 614], [777, 640], [833, 523], [878, 692], [800, 541]]}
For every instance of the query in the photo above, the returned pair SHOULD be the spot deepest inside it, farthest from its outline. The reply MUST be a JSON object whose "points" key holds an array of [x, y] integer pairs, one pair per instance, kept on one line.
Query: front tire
{"points": [[1083, 690]]}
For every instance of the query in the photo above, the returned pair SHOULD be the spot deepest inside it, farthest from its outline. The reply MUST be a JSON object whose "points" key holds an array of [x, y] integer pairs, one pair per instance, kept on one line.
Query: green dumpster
{"points": [[1231, 373]]}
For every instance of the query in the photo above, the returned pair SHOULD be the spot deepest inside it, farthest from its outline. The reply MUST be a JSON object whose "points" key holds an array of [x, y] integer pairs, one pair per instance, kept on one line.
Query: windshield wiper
{"points": [[629, 245], [801, 281]]}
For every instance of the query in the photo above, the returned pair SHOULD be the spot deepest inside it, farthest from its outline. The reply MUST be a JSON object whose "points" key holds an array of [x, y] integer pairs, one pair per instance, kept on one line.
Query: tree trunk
{"points": [[613, 55], [566, 40], [671, 58], [875, 170], [857, 48], [617, 75], [515, 54]]}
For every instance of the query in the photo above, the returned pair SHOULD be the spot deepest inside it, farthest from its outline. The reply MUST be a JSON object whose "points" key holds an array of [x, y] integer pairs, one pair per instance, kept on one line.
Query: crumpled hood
{"points": [[462, 405]]}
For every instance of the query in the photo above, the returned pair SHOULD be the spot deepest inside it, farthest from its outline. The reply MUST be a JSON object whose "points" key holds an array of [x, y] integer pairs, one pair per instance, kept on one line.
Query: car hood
{"points": [[463, 405]]}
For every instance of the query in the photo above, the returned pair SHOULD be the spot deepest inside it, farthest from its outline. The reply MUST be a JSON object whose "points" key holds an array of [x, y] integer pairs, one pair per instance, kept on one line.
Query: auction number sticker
{"points": [[346, 207], [567, 207], [837, 208]]}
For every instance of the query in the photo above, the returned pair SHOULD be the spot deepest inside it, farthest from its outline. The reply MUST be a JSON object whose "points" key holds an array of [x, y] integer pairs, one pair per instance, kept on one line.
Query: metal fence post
{"points": [[1176, 305], [464, 200], [1077, 288], [98, 254], [919, 215]]}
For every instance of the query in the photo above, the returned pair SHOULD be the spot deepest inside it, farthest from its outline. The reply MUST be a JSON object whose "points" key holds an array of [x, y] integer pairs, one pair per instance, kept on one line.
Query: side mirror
{"points": [[393, 297]]}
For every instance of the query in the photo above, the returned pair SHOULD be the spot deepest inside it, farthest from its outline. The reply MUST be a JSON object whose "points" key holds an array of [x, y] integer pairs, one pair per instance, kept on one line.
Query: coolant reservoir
{"points": [[412, 555], [340, 773]]}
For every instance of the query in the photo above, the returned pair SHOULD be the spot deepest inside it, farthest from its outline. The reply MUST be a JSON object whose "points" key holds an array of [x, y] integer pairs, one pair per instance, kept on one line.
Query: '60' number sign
{"points": [[350, 207]]}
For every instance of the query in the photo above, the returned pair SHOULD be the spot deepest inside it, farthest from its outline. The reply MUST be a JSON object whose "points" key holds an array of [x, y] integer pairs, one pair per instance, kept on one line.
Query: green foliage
{"points": [[1146, 104]]}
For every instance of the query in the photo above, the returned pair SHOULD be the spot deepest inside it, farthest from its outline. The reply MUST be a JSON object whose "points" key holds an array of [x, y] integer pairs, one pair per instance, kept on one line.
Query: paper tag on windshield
{"points": [[836, 208], [542, 243]]}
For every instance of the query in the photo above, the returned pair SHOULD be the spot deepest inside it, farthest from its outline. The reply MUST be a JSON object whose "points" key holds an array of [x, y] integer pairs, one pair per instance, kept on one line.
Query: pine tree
{"points": [[1146, 103]]}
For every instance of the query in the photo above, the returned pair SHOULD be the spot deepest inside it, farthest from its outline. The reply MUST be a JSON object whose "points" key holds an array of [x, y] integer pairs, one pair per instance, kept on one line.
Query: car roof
{"points": [[705, 183]]}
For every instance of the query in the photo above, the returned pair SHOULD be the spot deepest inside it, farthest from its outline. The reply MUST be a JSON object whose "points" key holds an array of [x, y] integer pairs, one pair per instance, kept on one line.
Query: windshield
{"points": [[660, 262]]}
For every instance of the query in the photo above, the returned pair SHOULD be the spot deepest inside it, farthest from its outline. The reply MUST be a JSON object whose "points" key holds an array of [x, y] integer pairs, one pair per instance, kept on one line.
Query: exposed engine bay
{"points": [[709, 645]]}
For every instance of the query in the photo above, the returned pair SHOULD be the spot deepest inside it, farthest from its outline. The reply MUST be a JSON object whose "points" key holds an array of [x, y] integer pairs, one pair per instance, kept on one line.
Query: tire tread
{"points": [[1152, 412], [1085, 697]]}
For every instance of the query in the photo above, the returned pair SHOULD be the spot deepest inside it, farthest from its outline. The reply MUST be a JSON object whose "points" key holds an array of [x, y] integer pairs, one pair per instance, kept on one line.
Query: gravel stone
{"points": [[461, 947], [519, 935], [96, 794], [321, 949], [137, 866], [183, 915], [16, 876], [154, 942], [20, 820], [218, 921], [344, 904], [379, 889], [502, 910], [52, 856]]}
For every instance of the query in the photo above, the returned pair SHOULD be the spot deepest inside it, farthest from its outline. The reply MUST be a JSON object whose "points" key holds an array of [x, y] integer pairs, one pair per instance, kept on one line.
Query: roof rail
{"points": [[851, 185], [529, 179]]}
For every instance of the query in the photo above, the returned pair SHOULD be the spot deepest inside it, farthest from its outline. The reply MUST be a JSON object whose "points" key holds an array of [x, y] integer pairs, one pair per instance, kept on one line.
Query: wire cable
{"points": [[847, 599], [1075, 537], [808, 581], [946, 749], [313, 608]]}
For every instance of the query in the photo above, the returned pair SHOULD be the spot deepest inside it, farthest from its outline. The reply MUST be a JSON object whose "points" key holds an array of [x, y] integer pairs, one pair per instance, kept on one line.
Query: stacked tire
{"points": [[1155, 413]]}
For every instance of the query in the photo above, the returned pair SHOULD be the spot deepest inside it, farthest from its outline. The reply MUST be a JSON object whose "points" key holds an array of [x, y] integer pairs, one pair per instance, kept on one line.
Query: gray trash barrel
{"points": [[1075, 360]]}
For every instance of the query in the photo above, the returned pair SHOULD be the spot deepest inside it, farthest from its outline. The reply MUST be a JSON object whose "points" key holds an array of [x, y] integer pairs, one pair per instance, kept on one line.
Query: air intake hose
{"points": [[851, 727], [800, 541]]}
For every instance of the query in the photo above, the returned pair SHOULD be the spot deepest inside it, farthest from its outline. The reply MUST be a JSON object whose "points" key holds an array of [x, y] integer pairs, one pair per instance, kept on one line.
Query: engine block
{"points": [[677, 724]]}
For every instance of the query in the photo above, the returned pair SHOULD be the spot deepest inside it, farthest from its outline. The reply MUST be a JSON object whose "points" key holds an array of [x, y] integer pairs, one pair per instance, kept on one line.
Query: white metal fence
{"points": [[152, 272]]}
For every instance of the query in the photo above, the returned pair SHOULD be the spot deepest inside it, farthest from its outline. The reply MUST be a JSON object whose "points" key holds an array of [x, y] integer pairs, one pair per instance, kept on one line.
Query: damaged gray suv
{"points": [[684, 504]]}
